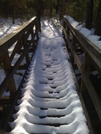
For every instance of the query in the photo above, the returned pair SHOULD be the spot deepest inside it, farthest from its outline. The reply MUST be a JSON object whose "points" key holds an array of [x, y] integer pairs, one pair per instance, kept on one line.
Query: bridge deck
{"points": [[49, 102]]}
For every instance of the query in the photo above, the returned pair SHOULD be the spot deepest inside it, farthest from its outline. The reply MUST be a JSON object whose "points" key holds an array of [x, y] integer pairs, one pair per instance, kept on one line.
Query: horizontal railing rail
{"points": [[23, 40], [91, 58]]}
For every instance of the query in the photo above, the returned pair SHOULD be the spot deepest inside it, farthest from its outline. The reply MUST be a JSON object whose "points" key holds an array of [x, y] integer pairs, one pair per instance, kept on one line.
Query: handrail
{"points": [[9, 40], [93, 51], [92, 56], [23, 45]]}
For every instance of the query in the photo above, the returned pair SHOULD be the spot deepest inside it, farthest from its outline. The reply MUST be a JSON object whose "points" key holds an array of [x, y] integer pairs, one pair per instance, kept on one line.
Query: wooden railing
{"points": [[91, 59], [24, 41]]}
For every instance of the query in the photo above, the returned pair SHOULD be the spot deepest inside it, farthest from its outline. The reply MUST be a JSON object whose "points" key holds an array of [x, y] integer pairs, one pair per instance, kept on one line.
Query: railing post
{"points": [[25, 45], [64, 27], [86, 67], [73, 44], [7, 68]]}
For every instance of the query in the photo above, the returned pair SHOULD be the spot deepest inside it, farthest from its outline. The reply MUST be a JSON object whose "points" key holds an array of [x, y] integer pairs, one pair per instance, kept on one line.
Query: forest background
{"points": [[84, 11]]}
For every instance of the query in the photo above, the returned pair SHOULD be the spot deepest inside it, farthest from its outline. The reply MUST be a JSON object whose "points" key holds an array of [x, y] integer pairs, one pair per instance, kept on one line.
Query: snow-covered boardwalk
{"points": [[49, 103]]}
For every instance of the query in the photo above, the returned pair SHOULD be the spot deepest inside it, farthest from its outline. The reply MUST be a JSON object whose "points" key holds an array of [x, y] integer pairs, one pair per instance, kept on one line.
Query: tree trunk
{"points": [[50, 8], [89, 14], [39, 14], [13, 14], [61, 9], [27, 9], [64, 3], [98, 21], [58, 7]]}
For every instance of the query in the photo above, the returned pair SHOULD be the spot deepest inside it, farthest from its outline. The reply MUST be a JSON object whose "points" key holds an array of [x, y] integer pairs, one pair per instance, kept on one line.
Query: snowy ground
{"points": [[7, 27]]}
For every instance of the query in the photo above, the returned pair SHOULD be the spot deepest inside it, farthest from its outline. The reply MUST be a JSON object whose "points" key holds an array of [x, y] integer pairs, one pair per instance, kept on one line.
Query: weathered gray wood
{"points": [[21, 36], [18, 93], [8, 77], [86, 114], [83, 104], [25, 45], [17, 48], [22, 67], [86, 67], [95, 99], [5, 101], [10, 39], [92, 53], [1, 59], [7, 67]]}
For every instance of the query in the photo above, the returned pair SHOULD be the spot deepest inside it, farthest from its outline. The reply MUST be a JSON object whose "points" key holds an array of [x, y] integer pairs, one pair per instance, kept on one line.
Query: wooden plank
{"points": [[7, 68], [36, 30], [1, 59], [81, 99], [93, 51], [18, 73], [86, 114], [74, 54], [95, 99], [10, 39], [5, 102], [17, 48], [25, 45], [22, 67], [86, 67], [94, 54], [9, 76], [18, 93]]}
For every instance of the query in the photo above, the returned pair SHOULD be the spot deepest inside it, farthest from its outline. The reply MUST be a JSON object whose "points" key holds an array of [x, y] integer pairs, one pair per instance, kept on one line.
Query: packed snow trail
{"points": [[49, 102]]}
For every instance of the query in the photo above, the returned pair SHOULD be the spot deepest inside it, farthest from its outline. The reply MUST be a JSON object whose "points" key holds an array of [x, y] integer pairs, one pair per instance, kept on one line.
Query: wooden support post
{"points": [[64, 27], [17, 49], [32, 36], [25, 45], [7, 68], [36, 30], [68, 31], [33, 39], [86, 67], [73, 44]]}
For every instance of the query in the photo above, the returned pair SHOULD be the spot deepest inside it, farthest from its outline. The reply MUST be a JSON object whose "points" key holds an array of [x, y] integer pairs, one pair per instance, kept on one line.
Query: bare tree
{"points": [[89, 14], [51, 3], [98, 21], [39, 2], [61, 9]]}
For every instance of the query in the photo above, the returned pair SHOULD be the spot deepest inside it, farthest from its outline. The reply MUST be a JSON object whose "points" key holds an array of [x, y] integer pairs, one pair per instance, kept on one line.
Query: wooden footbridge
{"points": [[54, 85]]}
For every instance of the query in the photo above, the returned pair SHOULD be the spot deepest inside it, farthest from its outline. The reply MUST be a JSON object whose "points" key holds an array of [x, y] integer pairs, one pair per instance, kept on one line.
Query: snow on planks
{"points": [[49, 103]]}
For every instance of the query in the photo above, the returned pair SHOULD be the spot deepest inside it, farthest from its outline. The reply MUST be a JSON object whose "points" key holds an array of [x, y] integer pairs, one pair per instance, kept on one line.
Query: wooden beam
{"points": [[10, 39], [5, 101], [82, 101], [86, 67], [7, 68], [95, 99], [11, 73], [16, 48], [18, 93], [92, 50]]}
